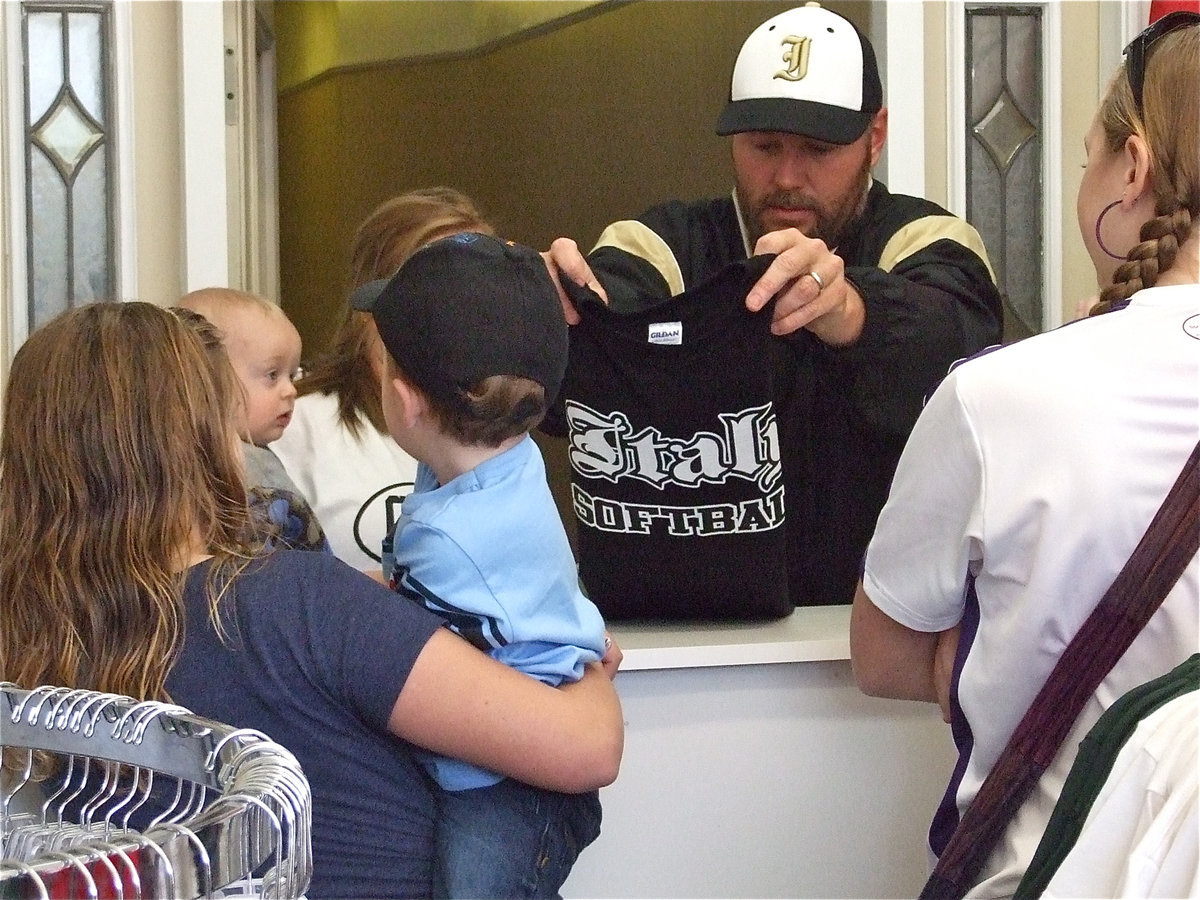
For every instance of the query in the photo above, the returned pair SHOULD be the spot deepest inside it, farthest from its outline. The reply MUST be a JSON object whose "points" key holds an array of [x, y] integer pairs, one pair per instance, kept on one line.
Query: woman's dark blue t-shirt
{"points": [[316, 656]]}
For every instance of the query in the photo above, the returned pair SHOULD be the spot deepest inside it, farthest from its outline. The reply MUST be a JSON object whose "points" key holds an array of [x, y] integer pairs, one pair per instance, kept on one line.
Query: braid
{"points": [[1160, 240], [1167, 123]]}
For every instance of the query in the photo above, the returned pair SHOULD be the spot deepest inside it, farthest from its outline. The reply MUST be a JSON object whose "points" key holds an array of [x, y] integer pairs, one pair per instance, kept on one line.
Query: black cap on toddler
{"points": [[467, 307]]}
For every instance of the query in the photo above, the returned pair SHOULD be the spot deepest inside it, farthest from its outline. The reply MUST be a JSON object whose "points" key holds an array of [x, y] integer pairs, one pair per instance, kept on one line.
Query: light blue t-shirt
{"points": [[488, 553]]}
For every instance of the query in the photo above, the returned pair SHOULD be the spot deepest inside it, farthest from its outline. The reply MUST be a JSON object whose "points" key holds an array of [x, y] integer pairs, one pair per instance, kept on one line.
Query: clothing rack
{"points": [[227, 812]]}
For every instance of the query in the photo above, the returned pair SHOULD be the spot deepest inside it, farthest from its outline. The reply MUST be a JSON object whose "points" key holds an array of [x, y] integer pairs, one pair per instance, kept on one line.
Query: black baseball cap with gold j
{"points": [[806, 71]]}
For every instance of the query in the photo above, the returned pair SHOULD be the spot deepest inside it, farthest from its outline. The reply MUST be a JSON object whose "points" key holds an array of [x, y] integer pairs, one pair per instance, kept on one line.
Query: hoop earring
{"points": [[1099, 241]]}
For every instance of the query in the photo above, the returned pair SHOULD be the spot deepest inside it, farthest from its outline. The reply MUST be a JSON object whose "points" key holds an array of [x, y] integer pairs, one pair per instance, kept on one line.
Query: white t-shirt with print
{"points": [[351, 482]]}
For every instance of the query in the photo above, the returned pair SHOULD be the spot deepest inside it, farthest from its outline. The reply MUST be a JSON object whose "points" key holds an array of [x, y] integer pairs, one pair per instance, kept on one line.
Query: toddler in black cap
{"points": [[468, 307], [477, 345]]}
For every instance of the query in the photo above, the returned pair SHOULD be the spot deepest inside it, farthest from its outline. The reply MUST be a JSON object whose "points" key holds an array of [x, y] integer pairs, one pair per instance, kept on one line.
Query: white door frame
{"points": [[230, 157], [900, 40], [13, 277], [205, 169]]}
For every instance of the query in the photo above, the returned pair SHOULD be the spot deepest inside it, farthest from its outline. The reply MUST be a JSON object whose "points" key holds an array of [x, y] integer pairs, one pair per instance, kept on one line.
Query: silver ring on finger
{"points": [[818, 279]]}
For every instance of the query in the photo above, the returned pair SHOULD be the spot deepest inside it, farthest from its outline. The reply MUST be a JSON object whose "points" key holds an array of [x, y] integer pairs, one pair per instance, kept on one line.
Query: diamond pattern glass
{"points": [[1005, 194], [1004, 130], [70, 196], [67, 136]]}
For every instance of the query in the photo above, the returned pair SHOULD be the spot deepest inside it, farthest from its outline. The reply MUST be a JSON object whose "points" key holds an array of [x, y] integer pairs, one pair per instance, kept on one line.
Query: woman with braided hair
{"points": [[1034, 470], [1144, 233]]}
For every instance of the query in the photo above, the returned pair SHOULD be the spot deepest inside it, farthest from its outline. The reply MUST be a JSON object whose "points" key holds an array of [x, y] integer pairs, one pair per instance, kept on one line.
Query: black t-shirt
{"points": [[676, 478], [844, 412]]}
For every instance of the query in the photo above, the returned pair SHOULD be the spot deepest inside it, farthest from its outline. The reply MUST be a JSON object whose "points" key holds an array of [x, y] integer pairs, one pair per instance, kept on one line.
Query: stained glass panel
{"points": [[1005, 190], [70, 196], [47, 236]]}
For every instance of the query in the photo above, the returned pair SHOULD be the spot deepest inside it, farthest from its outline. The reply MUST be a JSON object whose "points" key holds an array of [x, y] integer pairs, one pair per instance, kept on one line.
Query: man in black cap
{"points": [[877, 294]]}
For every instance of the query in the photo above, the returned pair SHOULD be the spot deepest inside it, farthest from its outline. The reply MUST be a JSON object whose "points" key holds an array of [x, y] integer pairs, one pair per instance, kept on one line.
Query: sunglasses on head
{"points": [[1135, 53]]}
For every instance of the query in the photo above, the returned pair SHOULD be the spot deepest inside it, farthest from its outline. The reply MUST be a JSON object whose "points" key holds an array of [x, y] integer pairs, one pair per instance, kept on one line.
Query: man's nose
{"points": [[792, 171]]}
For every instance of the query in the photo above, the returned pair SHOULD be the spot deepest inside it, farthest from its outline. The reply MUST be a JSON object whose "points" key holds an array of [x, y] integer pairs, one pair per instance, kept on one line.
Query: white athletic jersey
{"points": [[350, 481], [1035, 470]]}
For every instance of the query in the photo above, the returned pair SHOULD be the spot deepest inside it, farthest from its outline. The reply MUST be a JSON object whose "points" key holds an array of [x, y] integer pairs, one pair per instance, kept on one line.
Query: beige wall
{"points": [[1080, 97], [157, 136], [331, 34]]}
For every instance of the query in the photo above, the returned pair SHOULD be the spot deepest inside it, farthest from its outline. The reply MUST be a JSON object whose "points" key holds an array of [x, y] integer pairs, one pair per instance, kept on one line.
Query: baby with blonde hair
{"points": [[263, 347]]}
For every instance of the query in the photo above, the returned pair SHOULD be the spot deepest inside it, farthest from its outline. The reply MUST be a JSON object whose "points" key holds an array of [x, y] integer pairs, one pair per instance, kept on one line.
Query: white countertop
{"points": [[809, 634]]}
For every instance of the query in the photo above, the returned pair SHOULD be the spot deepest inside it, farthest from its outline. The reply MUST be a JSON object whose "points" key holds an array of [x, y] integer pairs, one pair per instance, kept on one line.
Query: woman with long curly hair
{"points": [[130, 565]]}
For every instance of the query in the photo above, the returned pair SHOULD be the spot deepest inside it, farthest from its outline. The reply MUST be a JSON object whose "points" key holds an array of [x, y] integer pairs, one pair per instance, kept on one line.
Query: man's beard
{"points": [[831, 224]]}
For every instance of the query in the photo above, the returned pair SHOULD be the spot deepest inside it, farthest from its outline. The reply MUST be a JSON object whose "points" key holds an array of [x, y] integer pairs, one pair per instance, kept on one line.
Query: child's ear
{"points": [[412, 402]]}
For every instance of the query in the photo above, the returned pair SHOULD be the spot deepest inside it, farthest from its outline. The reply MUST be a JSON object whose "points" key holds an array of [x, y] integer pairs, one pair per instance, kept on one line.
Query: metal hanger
{"points": [[229, 811]]}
